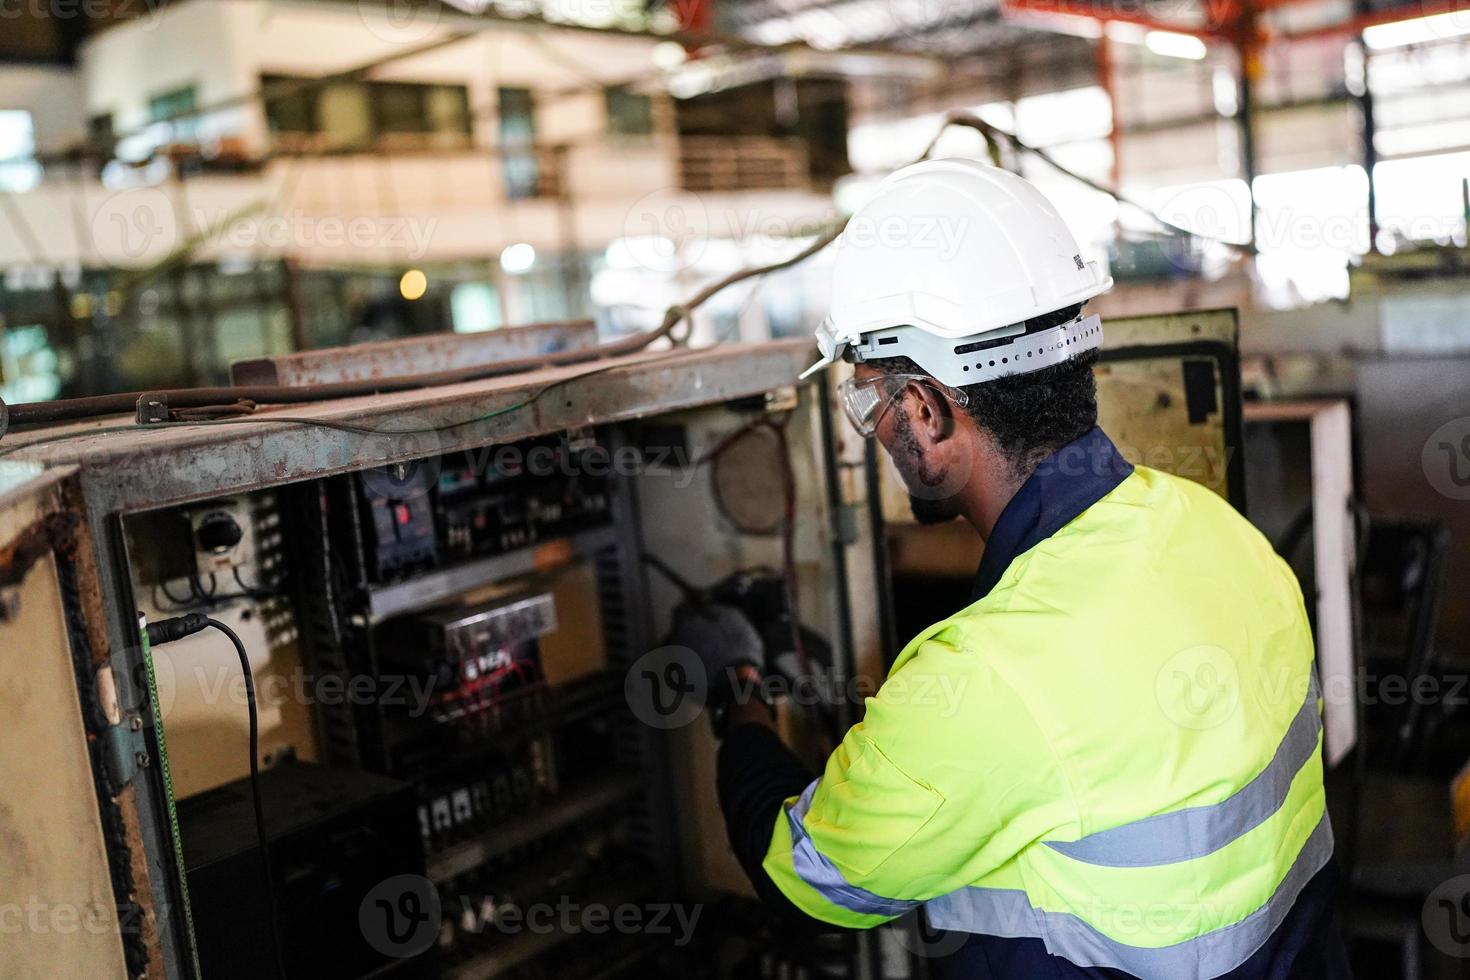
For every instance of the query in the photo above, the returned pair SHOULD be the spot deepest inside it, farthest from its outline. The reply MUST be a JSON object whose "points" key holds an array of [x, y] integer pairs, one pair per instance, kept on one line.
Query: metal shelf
{"points": [[503, 957], [562, 813], [525, 714], [441, 584]]}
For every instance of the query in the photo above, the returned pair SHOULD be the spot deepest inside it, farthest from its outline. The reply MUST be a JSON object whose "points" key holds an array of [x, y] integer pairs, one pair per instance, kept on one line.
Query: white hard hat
{"points": [[951, 254]]}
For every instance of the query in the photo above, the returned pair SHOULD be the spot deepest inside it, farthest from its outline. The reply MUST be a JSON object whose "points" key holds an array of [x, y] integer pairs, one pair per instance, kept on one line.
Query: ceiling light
{"points": [[1172, 45], [518, 258]]}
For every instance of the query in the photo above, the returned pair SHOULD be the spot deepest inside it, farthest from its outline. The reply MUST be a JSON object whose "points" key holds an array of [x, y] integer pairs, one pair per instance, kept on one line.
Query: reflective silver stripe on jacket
{"points": [[821, 874], [1008, 913], [1182, 835]]}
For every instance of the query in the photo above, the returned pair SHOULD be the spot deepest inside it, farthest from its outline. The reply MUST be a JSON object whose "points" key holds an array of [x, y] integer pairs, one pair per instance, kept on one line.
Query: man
{"points": [[1121, 772]]}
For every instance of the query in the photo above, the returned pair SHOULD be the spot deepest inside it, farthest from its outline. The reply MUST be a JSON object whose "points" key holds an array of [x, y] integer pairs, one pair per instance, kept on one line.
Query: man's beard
{"points": [[927, 511], [928, 501]]}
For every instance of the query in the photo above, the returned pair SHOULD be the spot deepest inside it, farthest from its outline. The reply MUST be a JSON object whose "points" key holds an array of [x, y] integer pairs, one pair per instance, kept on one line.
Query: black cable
{"points": [[178, 603], [691, 592], [332, 424], [272, 907], [248, 591], [196, 584]]}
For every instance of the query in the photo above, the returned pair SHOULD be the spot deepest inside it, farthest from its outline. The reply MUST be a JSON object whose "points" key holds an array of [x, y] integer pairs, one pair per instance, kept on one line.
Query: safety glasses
{"points": [[865, 402]]}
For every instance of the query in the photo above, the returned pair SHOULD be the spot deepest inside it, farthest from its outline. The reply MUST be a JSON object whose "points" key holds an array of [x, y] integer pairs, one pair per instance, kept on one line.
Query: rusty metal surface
{"points": [[414, 355], [33, 544], [143, 468], [60, 531]]}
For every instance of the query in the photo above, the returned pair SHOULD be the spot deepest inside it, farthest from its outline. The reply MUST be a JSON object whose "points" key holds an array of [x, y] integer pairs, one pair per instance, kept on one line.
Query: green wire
{"points": [[266, 419]]}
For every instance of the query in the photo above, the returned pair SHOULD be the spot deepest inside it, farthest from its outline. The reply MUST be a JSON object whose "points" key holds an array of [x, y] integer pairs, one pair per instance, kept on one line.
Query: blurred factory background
{"points": [[212, 180], [189, 184]]}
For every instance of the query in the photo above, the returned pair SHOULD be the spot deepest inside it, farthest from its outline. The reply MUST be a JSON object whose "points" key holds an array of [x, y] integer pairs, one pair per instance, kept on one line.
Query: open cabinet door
{"points": [[1168, 393], [69, 882]]}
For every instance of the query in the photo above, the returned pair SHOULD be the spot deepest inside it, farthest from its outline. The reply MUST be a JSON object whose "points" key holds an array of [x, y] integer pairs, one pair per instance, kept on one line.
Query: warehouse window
{"points": [[1308, 224], [629, 113], [447, 113], [360, 115], [17, 144], [344, 116], [290, 106], [29, 368], [165, 106], [101, 140], [1422, 199], [474, 307], [517, 142]]}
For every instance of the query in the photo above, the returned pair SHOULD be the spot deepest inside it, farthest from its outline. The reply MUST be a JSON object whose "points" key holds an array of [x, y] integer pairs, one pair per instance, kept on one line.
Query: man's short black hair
{"points": [[1029, 415]]}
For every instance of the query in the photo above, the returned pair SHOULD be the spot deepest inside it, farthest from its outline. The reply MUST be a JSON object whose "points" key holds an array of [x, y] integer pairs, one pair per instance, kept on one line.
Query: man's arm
{"points": [[921, 798], [755, 774]]}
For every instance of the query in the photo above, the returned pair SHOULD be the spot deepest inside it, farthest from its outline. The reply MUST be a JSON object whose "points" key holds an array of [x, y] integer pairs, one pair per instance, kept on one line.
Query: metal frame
{"points": [[1151, 339], [139, 469]]}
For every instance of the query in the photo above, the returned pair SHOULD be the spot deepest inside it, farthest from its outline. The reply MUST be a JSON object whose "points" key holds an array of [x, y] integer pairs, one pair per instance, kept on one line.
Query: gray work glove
{"points": [[724, 641]]}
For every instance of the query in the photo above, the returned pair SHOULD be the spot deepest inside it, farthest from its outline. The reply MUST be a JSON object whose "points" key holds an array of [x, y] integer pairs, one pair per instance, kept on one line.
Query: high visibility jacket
{"points": [[1116, 751]]}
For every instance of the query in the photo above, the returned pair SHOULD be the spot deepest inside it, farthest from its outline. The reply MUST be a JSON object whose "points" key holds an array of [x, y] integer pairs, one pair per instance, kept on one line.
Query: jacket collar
{"points": [[1062, 486]]}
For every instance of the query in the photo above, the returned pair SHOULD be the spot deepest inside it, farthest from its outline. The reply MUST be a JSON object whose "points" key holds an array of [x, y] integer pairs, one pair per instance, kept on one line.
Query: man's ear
{"points": [[930, 414]]}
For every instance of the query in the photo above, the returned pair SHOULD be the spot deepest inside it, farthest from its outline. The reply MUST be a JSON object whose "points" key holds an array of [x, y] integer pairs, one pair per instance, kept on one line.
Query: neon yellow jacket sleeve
{"points": [[944, 782]]}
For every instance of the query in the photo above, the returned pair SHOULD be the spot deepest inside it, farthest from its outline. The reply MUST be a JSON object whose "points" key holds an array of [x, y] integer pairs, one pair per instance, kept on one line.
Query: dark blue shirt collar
{"points": [[1061, 487]]}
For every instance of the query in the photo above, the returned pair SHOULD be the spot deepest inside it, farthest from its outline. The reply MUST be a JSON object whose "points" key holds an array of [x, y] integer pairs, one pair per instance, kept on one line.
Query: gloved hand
{"points": [[724, 641]]}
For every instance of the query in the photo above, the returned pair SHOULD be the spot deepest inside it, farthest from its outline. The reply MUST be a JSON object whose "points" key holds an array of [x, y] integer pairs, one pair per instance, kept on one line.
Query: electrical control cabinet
{"points": [[457, 615], [460, 592]]}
